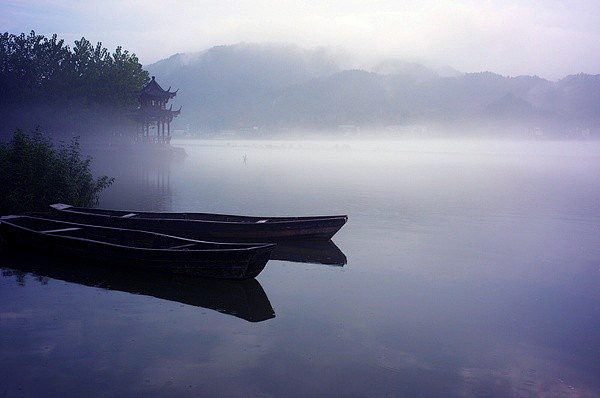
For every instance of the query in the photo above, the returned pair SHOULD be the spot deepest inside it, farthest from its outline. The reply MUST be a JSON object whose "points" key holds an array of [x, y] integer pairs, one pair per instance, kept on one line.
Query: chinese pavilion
{"points": [[153, 111]]}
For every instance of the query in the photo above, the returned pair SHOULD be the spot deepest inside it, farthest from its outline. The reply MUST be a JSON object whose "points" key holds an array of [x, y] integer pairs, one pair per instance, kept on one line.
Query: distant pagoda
{"points": [[153, 111]]}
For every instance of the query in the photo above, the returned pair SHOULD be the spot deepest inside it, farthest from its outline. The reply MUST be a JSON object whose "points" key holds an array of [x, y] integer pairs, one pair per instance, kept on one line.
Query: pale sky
{"points": [[549, 38]]}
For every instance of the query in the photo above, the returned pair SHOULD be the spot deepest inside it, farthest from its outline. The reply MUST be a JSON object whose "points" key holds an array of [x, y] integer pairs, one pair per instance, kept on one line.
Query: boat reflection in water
{"points": [[315, 252], [243, 299]]}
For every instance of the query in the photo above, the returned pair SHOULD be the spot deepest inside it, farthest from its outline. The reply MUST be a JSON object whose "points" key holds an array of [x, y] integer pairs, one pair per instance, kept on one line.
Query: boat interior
{"points": [[193, 216], [116, 236]]}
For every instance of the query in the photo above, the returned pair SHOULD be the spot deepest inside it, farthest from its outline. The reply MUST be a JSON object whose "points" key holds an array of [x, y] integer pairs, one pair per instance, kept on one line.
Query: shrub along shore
{"points": [[35, 174]]}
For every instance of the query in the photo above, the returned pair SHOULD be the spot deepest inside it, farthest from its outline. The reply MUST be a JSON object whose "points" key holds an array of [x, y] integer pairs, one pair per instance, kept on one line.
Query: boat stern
{"points": [[258, 260]]}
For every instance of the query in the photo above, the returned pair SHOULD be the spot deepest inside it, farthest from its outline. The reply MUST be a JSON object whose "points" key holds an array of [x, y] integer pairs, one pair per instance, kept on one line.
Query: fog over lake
{"points": [[458, 140], [469, 268]]}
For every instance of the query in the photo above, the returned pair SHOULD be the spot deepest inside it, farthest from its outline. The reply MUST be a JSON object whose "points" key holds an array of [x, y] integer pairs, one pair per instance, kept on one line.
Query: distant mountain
{"points": [[511, 107], [277, 87], [398, 67], [447, 71], [229, 86]]}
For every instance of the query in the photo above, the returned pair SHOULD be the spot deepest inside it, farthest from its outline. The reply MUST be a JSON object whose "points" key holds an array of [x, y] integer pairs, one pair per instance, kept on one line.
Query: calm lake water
{"points": [[466, 269]]}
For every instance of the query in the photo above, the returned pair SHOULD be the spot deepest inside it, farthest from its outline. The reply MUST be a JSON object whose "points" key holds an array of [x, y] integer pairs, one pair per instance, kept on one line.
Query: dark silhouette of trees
{"points": [[45, 82], [33, 175]]}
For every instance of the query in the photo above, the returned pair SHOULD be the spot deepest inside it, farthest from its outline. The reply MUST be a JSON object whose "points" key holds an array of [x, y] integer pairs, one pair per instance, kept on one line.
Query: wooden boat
{"points": [[243, 299], [140, 249], [210, 227]]}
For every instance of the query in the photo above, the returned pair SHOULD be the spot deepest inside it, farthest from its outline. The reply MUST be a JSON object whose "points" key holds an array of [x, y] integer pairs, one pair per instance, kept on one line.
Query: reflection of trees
{"points": [[142, 180]]}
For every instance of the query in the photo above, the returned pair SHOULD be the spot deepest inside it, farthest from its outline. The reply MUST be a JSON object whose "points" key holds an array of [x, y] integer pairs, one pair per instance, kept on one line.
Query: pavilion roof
{"points": [[154, 90]]}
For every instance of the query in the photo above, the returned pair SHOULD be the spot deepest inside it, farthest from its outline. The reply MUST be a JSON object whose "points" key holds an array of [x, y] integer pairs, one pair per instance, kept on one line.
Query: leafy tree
{"points": [[45, 82], [34, 175]]}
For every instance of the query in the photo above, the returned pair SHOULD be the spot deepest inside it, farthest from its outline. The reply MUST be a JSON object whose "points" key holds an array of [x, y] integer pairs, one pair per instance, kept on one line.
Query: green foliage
{"points": [[34, 175], [34, 67], [44, 79]]}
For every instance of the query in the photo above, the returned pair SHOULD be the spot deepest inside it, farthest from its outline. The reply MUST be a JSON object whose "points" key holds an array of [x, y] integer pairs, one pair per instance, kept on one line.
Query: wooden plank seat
{"points": [[50, 231], [181, 246]]}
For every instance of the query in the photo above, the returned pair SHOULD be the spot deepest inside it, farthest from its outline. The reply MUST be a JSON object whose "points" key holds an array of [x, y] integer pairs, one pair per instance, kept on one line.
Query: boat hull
{"points": [[242, 229], [225, 264]]}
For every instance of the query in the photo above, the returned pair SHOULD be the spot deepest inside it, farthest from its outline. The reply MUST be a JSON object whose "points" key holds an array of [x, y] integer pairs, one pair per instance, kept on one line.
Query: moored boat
{"points": [[211, 227], [139, 249]]}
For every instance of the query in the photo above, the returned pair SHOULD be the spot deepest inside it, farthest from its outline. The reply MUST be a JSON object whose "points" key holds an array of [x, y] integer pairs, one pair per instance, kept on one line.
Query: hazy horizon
{"points": [[550, 40]]}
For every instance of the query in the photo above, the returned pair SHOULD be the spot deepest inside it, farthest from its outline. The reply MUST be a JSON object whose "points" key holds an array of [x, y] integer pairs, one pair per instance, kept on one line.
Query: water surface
{"points": [[466, 269]]}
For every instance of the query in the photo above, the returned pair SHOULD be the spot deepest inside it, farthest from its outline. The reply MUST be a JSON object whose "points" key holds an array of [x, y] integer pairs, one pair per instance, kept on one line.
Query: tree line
{"points": [[45, 82]]}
